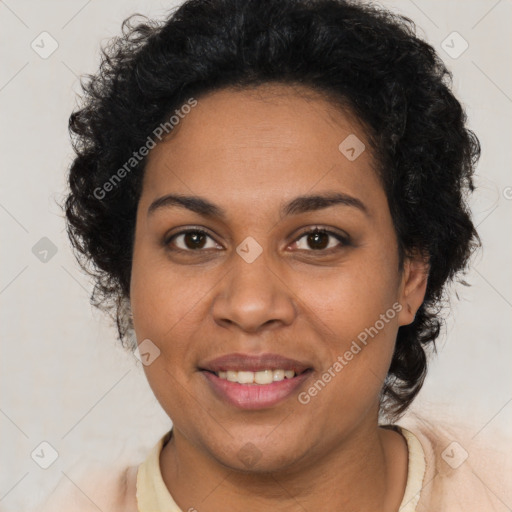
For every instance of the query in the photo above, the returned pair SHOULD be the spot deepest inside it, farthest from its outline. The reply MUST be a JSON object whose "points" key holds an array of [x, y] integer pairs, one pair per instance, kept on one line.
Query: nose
{"points": [[253, 296]]}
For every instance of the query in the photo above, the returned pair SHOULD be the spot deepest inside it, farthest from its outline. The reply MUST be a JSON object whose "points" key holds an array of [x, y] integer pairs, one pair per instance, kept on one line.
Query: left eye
{"points": [[319, 240]]}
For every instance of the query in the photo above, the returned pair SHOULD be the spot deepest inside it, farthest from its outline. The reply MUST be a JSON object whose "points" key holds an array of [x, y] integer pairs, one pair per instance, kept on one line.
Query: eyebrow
{"points": [[301, 204]]}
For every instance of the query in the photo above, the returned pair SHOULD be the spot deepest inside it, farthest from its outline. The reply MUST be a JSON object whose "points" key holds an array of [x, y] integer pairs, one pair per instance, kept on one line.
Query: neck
{"points": [[368, 471]]}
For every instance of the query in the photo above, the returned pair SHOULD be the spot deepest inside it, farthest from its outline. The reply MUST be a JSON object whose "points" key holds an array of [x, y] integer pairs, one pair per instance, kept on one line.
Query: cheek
{"points": [[357, 307], [352, 297], [165, 306], [163, 297], [356, 352], [162, 303]]}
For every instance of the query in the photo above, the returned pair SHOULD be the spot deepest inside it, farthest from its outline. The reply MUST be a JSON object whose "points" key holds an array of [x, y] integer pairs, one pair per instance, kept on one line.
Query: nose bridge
{"points": [[252, 294]]}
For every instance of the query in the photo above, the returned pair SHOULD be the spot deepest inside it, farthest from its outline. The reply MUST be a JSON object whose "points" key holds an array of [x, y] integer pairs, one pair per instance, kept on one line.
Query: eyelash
{"points": [[342, 239]]}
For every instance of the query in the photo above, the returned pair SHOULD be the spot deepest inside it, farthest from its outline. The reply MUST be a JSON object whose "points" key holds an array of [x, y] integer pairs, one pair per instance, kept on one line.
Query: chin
{"points": [[258, 454]]}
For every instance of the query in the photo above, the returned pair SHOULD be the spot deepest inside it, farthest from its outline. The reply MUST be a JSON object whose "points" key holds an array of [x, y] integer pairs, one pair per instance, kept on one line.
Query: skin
{"points": [[249, 152]]}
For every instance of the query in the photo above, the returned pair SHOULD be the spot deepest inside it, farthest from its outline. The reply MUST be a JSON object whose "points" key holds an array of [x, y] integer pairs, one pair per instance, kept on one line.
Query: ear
{"points": [[413, 287]]}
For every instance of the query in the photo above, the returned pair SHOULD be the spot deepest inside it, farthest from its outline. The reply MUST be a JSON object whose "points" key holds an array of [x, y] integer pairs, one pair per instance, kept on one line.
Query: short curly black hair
{"points": [[365, 56]]}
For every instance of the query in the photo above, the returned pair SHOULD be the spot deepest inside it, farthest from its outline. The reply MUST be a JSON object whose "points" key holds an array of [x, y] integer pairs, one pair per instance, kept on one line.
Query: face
{"points": [[283, 257]]}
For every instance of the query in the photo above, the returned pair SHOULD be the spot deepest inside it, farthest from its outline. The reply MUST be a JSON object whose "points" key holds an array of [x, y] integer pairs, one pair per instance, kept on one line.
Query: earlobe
{"points": [[413, 287]]}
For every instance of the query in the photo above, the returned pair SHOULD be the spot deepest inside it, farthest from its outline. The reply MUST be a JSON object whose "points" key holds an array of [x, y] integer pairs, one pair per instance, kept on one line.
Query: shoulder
{"points": [[93, 487], [466, 469]]}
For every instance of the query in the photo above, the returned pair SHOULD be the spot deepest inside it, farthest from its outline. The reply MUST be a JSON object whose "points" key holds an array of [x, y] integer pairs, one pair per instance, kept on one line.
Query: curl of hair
{"points": [[364, 56]]}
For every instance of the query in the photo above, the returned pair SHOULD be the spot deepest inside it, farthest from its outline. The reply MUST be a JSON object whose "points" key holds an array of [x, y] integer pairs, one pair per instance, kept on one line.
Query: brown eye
{"points": [[192, 240], [319, 240]]}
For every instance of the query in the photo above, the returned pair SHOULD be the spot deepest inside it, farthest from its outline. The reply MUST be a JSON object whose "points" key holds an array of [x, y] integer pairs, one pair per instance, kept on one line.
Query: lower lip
{"points": [[254, 396]]}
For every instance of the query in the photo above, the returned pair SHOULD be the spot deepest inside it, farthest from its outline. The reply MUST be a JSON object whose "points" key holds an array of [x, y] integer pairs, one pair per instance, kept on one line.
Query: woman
{"points": [[271, 197]]}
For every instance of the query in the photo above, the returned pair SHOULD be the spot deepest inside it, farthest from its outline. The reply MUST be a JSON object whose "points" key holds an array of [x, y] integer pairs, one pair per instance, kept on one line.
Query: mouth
{"points": [[254, 382], [262, 377]]}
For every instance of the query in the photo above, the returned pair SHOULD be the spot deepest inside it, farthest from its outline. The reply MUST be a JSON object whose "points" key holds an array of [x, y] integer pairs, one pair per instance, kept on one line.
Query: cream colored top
{"points": [[450, 469], [153, 495]]}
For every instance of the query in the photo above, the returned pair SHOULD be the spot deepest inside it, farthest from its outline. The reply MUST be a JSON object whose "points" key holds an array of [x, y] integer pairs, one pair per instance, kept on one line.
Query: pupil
{"points": [[196, 240], [318, 240]]}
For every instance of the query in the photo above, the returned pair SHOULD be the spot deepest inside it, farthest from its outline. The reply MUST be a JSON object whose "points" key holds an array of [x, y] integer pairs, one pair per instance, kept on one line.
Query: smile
{"points": [[250, 394], [263, 377]]}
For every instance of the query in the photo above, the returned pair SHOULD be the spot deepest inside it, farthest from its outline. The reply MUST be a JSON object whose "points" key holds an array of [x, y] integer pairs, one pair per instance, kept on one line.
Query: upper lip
{"points": [[253, 363]]}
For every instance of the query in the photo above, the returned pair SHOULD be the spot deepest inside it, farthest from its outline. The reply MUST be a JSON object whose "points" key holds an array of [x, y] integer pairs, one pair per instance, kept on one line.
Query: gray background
{"points": [[65, 380]]}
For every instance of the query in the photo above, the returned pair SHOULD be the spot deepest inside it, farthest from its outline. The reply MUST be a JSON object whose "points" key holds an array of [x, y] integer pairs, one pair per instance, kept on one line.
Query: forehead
{"points": [[266, 142]]}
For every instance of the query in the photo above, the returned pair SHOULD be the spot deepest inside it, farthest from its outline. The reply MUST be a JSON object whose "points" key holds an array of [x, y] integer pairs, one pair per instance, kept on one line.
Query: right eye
{"points": [[191, 240]]}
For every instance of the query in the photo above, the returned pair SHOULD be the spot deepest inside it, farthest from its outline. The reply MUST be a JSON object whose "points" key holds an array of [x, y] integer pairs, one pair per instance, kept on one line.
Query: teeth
{"points": [[264, 377], [261, 377], [232, 376]]}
